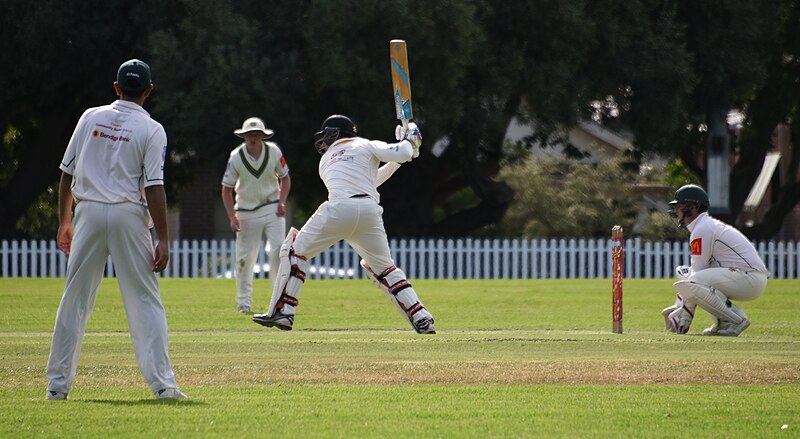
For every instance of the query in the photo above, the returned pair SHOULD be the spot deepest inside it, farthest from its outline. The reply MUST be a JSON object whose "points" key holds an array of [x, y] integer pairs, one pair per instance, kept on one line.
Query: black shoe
{"points": [[279, 320], [425, 326]]}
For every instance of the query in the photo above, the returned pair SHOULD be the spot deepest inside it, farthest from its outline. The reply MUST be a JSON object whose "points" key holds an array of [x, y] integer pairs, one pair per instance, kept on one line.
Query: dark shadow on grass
{"points": [[139, 402]]}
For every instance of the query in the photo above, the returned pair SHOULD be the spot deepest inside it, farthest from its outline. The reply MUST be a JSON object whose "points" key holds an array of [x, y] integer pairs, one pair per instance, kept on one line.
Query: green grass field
{"points": [[523, 358]]}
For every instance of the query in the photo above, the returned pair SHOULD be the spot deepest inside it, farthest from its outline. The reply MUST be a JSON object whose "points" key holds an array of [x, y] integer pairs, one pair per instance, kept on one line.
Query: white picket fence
{"points": [[424, 259]]}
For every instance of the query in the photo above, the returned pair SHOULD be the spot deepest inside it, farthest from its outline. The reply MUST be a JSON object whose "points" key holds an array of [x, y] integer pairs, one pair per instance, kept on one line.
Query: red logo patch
{"points": [[697, 246], [283, 161]]}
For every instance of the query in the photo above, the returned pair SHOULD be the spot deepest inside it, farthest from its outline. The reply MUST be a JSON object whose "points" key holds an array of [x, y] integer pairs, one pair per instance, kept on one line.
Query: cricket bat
{"points": [[401, 81]]}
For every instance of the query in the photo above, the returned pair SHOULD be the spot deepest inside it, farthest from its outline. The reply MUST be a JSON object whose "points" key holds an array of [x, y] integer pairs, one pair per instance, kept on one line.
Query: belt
{"points": [[267, 203], [359, 196]]}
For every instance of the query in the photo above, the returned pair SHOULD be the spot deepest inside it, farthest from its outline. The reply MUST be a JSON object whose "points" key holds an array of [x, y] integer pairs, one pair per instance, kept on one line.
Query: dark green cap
{"points": [[133, 76]]}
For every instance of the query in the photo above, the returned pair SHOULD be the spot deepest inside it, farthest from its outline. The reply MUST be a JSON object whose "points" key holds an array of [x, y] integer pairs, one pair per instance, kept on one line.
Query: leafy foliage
{"points": [[648, 66], [574, 199]]}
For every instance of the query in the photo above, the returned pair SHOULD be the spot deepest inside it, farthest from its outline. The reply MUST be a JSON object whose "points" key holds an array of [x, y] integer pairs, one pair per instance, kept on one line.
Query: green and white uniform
{"points": [[255, 181]]}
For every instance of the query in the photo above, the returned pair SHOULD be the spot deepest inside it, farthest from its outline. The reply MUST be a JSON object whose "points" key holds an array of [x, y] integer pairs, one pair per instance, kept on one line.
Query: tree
{"points": [[475, 66], [567, 198], [58, 59]]}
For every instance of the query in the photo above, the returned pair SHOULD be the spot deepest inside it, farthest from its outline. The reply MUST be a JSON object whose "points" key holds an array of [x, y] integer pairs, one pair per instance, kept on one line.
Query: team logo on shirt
{"points": [[283, 161], [112, 137], [697, 246], [339, 156]]}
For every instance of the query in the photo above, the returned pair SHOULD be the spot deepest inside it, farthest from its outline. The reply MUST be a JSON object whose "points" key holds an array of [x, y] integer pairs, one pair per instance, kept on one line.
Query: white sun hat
{"points": [[254, 124]]}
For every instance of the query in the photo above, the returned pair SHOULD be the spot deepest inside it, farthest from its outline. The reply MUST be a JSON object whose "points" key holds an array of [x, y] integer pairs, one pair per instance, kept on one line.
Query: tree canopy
{"points": [[657, 66]]}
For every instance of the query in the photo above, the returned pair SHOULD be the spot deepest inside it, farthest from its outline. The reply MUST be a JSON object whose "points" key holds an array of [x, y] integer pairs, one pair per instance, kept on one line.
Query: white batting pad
{"points": [[710, 300], [404, 297], [284, 281]]}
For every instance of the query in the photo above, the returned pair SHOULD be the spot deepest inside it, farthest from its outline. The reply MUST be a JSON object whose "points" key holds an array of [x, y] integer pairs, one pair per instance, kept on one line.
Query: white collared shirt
{"points": [[255, 180], [714, 243], [350, 166], [115, 152]]}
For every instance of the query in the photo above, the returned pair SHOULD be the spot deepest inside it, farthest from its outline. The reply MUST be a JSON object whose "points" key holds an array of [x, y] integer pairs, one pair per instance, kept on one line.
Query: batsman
{"points": [[350, 168], [725, 267]]}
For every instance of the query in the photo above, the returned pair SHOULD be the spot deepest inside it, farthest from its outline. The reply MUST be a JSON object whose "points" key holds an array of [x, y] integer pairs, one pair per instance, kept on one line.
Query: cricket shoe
{"points": [[171, 393], [52, 395], [713, 329], [244, 309], [425, 326], [280, 320], [730, 329]]}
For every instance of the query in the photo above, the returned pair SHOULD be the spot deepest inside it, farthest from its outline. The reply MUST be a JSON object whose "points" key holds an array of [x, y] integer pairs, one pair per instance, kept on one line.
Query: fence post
{"points": [[500, 259], [5, 259], [109, 267], [23, 252], [52, 253], [772, 262], [515, 256], [469, 259], [532, 258], [486, 252], [34, 250]]}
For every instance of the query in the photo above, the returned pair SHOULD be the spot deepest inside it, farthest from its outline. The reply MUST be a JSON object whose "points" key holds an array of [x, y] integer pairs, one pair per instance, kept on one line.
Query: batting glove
{"points": [[412, 134], [683, 272]]}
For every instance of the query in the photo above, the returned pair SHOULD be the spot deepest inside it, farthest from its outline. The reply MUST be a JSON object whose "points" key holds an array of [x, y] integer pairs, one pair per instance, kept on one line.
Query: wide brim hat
{"points": [[254, 124]]}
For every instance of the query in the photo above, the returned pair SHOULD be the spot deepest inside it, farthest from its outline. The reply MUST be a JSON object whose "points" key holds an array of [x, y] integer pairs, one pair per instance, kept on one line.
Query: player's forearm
{"points": [[227, 201], [386, 171], [65, 199], [157, 205]]}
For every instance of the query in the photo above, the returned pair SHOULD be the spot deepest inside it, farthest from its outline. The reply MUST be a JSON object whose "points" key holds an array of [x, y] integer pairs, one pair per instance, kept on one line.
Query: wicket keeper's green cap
{"points": [[133, 75]]}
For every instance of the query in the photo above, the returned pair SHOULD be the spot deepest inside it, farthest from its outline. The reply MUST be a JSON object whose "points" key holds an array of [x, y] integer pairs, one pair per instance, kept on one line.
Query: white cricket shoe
{"points": [[713, 329], [244, 309], [171, 393], [730, 329], [52, 395]]}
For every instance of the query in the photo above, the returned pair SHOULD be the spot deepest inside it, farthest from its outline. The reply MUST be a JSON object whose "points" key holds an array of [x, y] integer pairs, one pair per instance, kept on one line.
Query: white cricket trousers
{"points": [[248, 240], [736, 284], [119, 230], [359, 221]]}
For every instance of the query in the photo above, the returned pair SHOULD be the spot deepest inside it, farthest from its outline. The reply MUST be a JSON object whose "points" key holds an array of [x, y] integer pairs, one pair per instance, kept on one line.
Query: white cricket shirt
{"points": [[255, 180], [115, 152], [716, 244], [350, 166]]}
